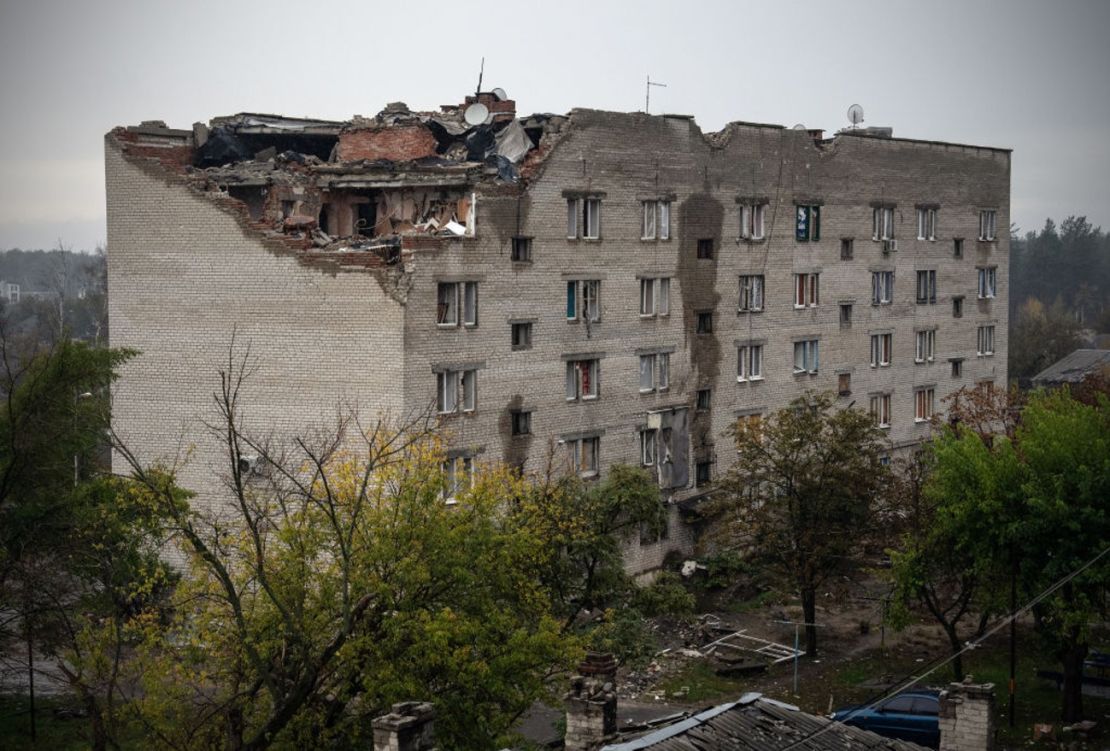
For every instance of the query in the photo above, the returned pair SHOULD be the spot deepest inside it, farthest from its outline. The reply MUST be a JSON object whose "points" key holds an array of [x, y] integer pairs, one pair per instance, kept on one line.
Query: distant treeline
{"points": [[61, 293], [1059, 292]]}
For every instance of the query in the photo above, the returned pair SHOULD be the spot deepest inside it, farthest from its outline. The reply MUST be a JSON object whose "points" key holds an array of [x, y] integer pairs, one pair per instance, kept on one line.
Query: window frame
{"points": [[579, 300], [581, 449], [924, 404], [882, 223], [880, 409], [706, 249], [882, 350], [807, 222], [927, 223], [456, 391], [526, 328], [984, 340], [925, 346], [987, 287], [520, 250], [520, 422], [461, 298], [807, 290], [648, 449], [847, 248], [752, 286], [753, 221], [926, 294], [749, 362], [655, 296], [659, 373], [574, 374], [811, 350], [882, 287], [988, 225]]}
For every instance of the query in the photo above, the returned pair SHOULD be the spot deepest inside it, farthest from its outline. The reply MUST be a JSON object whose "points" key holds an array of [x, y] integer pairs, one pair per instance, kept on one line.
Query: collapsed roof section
{"points": [[376, 184]]}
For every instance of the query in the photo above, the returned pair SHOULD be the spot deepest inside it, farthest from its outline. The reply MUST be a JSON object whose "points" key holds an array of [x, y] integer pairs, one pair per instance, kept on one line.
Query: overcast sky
{"points": [[1021, 74]]}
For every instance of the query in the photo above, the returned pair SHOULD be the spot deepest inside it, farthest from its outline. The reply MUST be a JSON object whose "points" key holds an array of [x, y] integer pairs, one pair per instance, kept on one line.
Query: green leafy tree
{"points": [[1040, 335], [338, 582], [805, 483], [1030, 501]]}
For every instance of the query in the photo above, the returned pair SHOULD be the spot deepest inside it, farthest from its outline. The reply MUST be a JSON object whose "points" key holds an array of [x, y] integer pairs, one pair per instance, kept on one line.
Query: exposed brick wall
{"points": [[399, 143]]}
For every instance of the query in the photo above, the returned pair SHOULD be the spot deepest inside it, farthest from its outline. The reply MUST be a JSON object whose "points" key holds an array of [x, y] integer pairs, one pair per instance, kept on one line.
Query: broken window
{"points": [[844, 384], [522, 335], [704, 399], [847, 248], [958, 247], [647, 447], [521, 422], [583, 455], [880, 410], [957, 368], [655, 372], [924, 404], [882, 287], [926, 287], [925, 349], [455, 390], [449, 304], [751, 221], [521, 250], [582, 379], [749, 362], [584, 300], [751, 294], [415, 211], [882, 223], [926, 224], [987, 219], [705, 248], [845, 314], [655, 296], [985, 341], [705, 322], [457, 472], [808, 224], [702, 473], [881, 347], [806, 356], [806, 290]]}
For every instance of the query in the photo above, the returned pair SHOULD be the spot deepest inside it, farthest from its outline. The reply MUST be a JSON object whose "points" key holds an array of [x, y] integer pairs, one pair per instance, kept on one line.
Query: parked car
{"points": [[909, 716]]}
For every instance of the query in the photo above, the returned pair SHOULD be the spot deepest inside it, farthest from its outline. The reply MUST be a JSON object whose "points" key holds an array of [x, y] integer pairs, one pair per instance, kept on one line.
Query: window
{"points": [[882, 287], [882, 223], [655, 297], [751, 294], [806, 290], [880, 410], [845, 314], [705, 322], [847, 248], [582, 379], [647, 447], [455, 390], [655, 372], [584, 300], [705, 248], [987, 219], [583, 454], [958, 247], [808, 223], [521, 250], [806, 356], [926, 287], [926, 346], [958, 306], [450, 297], [703, 472], [521, 422], [985, 341], [522, 335], [957, 368], [656, 220], [456, 475], [749, 362], [844, 384], [926, 224], [584, 214], [881, 347], [751, 221], [923, 404], [704, 400], [884, 461], [988, 282]]}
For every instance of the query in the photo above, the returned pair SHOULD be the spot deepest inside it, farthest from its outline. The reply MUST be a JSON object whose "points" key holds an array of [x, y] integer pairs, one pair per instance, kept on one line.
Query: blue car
{"points": [[909, 716]]}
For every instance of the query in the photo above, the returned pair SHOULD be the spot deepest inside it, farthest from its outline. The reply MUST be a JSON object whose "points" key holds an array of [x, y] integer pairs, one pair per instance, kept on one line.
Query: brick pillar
{"points": [[408, 727], [592, 703], [967, 717]]}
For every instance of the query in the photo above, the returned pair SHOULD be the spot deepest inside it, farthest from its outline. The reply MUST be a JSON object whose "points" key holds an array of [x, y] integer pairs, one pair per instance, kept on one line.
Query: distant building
{"points": [[9, 292], [1073, 368], [613, 287]]}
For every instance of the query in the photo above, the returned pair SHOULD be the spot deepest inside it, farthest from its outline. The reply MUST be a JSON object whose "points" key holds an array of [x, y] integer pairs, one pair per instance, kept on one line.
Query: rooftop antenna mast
{"points": [[481, 72], [647, 98]]}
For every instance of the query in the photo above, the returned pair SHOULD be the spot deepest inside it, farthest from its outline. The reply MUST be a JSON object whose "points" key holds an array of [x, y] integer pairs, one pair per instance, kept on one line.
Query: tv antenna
{"points": [[481, 72], [855, 115], [647, 98]]}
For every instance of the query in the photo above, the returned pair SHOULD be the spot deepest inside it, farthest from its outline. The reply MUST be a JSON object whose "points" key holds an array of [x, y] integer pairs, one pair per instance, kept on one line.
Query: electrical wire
{"points": [[906, 683]]}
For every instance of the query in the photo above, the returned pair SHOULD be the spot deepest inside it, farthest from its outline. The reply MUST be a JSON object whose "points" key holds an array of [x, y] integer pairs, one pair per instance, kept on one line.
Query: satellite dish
{"points": [[855, 114], [500, 94], [799, 126], [476, 114]]}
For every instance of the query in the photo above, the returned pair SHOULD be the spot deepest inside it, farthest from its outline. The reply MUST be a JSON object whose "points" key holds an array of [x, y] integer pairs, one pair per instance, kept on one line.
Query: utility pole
{"points": [[647, 97]]}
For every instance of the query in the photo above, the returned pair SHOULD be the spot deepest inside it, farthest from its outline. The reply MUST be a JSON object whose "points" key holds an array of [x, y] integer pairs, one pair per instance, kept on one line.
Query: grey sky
{"points": [[1022, 74]]}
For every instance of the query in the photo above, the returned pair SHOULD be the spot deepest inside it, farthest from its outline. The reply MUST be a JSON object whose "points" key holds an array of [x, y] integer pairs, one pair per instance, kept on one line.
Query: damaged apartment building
{"points": [[591, 288]]}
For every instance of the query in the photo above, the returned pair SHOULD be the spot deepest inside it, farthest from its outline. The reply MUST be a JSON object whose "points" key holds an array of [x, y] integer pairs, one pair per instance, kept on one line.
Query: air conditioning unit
{"points": [[249, 465], [889, 246]]}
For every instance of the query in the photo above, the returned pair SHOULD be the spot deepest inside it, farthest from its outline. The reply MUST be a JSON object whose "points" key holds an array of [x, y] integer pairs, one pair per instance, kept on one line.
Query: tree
{"points": [[1040, 336], [1031, 503], [338, 582], [804, 485]]}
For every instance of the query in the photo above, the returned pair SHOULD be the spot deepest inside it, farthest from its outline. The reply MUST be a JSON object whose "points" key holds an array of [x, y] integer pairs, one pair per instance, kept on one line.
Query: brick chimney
{"points": [[408, 727], [967, 717], [592, 703]]}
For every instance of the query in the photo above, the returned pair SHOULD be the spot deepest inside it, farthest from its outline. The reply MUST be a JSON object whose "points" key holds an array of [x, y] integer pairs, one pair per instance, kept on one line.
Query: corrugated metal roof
{"points": [[1074, 367], [757, 724]]}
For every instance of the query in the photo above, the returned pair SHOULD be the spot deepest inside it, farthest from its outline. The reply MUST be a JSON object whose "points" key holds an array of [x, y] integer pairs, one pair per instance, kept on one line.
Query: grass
{"points": [[52, 732], [700, 683]]}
